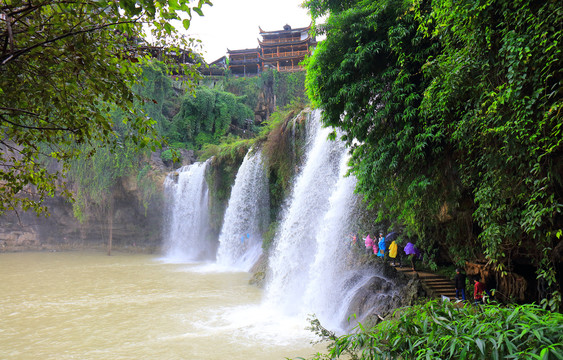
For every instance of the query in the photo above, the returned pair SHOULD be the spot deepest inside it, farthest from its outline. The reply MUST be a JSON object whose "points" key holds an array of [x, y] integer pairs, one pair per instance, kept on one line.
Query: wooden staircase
{"points": [[437, 285]]}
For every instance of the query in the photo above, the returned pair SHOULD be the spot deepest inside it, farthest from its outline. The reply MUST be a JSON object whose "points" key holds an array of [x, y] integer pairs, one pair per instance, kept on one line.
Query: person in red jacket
{"points": [[480, 288]]}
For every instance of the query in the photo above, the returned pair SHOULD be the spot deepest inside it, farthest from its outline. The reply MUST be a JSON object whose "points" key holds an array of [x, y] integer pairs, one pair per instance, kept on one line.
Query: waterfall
{"points": [[328, 276], [247, 215], [296, 245], [308, 270], [187, 222]]}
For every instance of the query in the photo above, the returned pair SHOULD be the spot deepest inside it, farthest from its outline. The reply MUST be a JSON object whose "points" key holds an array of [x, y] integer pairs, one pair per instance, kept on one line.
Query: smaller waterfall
{"points": [[247, 215], [187, 223]]}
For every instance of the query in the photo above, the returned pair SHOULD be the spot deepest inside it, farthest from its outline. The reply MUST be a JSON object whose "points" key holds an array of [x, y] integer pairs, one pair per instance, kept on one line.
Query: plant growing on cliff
{"points": [[442, 330], [208, 115], [97, 172]]}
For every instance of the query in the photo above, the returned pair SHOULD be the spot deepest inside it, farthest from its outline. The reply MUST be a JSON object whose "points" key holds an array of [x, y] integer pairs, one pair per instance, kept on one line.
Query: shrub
{"points": [[443, 330]]}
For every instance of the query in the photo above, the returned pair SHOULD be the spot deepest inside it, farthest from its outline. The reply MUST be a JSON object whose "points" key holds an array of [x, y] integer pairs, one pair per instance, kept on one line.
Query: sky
{"points": [[233, 24]]}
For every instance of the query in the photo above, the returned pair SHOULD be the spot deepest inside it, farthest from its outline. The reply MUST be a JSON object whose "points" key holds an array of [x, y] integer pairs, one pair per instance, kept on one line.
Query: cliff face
{"points": [[134, 228]]}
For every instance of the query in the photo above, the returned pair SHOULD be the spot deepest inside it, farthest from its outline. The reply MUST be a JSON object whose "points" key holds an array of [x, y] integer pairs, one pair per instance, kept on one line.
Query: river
{"points": [[86, 305]]}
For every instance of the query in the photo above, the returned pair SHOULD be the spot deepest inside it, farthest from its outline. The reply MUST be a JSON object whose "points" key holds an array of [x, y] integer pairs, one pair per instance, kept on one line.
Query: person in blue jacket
{"points": [[381, 245]]}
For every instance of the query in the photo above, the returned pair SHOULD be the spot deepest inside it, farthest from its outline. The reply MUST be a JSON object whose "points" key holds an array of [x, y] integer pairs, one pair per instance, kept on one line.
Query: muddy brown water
{"points": [[86, 305]]}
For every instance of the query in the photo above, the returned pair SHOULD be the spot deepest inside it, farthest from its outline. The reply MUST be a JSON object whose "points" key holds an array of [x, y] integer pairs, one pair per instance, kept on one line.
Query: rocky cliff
{"points": [[136, 226]]}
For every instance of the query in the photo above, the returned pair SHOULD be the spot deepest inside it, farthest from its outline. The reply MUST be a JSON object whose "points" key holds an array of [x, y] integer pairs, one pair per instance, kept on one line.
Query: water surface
{"points": [[86, 305]]}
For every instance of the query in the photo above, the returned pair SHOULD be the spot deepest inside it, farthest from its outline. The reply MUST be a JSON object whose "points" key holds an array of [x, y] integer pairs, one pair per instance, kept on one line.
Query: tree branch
{"points": [[17, 54], [74, 131]]}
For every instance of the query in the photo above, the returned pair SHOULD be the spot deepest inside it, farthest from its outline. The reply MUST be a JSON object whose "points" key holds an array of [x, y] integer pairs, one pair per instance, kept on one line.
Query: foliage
{"points": [[98, 169], [367, 78], [281, 150], [496, 91], [269, 236], [289, 87], [157, 98], [62, 64], [247, 88], [170, 156], [148, 187], [286, 87], [442, 330], [208, 116], [452, 112]]}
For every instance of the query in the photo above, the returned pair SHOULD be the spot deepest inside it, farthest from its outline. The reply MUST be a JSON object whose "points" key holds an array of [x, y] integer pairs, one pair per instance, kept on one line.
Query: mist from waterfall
{"points": [[247, 215], [187, 232]]}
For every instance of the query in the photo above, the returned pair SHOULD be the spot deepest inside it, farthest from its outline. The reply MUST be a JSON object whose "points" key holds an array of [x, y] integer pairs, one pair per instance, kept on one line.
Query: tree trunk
{"points": [[110, 225]]}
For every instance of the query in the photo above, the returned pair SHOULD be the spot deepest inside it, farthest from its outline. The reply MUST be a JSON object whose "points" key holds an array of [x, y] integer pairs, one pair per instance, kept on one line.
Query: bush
{"points": [[171, 156], [443, 330]]}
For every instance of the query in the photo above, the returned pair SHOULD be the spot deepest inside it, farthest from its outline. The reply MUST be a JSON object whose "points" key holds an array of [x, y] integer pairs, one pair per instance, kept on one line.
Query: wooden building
{"points": [[216, 68], [245, 62], [283, 50]]}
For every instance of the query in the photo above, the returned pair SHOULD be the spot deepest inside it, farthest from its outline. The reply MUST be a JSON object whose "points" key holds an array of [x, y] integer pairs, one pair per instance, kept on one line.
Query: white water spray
{"points": [[187, 228], [246, 217]]}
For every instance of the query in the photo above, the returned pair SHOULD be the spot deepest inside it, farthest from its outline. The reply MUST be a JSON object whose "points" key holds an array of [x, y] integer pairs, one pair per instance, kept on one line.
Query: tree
{"points": [[453, 115], [367, 78], [63, 64], [496, 91]]}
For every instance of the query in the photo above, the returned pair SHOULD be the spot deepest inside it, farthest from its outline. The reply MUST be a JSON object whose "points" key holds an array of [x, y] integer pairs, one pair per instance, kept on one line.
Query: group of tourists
{"points": [[383, 246], [387, 246]]}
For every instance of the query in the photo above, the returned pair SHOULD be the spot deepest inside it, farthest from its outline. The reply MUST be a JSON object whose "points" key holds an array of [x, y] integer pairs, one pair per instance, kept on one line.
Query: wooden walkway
{"points": [[437, 284]]}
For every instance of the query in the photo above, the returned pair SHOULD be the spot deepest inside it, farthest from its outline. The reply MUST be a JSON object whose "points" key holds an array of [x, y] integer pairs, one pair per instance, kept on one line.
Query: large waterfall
{"points": [[311, 243], [247, 215], [187, 229]]}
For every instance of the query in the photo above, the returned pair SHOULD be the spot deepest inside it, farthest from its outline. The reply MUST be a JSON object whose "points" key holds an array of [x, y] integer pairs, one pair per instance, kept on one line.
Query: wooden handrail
{"points": [[282, 40], [285, 54]]}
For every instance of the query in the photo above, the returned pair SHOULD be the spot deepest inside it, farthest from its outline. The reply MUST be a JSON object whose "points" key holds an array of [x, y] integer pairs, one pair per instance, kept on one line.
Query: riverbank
{"points": [[74, 246]]}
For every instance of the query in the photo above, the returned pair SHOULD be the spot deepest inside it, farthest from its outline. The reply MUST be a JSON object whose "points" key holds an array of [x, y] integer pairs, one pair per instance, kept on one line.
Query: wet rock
{"points": [[258, 272]]}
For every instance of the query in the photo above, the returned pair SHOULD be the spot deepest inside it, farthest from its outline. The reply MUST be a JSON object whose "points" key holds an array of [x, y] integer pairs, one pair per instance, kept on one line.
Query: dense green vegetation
{"points": [[62, 63], [287, 88], [443, 330], [209, 115], [453, 113]]}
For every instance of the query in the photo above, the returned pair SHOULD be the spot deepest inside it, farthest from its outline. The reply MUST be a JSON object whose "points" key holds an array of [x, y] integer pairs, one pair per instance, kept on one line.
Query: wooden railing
{"points": [[244, 61], [281, 40], [290, 68], [284, 54]]}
